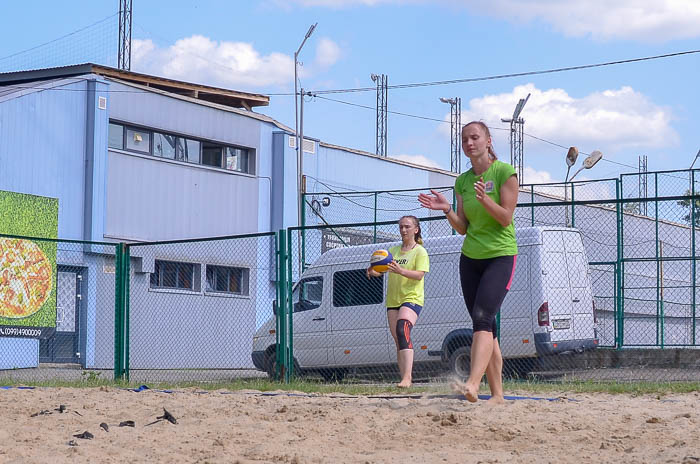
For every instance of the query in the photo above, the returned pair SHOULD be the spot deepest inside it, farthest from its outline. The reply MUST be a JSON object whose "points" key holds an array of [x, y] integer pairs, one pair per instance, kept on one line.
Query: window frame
{"points": [[302, 308], [244, 280], [158, 273], [360, 277], [242, 152]]}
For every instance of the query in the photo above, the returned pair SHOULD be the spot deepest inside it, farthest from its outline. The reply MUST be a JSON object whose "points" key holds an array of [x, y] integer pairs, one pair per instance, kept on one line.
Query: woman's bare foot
{"points": [[471, 393], [496, 400], [404, 384]]}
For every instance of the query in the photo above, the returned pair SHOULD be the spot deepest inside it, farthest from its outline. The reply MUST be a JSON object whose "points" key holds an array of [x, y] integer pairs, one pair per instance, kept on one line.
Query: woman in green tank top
{"points": [[486, 199]]}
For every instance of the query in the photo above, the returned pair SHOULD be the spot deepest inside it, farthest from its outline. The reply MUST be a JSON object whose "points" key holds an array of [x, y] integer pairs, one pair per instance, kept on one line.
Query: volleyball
{"points": [[380, 260]]}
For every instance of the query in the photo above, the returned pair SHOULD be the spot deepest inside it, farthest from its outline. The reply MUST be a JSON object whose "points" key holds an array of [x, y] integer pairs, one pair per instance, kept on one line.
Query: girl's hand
{"points": [[372, 273], [435, 200], [395, 268], [480, 189]]}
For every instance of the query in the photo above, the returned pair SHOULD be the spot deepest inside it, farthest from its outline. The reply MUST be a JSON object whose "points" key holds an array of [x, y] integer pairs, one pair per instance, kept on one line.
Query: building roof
{"points": [[207, 93]]}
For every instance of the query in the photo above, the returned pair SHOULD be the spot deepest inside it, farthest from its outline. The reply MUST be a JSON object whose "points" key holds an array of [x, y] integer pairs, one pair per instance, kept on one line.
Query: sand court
{"points": [[286, 427]]}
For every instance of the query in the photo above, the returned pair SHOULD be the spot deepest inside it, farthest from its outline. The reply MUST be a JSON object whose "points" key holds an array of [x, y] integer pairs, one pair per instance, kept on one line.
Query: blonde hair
{"points": [[418, 237], [486, 130]]}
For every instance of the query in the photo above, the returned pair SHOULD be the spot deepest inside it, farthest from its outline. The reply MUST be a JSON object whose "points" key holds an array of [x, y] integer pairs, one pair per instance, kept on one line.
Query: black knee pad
{"points": [[403, 334]]}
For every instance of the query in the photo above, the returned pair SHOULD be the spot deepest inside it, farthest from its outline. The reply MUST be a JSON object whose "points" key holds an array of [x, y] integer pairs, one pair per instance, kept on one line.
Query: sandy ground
{"points": [[251, 427]]}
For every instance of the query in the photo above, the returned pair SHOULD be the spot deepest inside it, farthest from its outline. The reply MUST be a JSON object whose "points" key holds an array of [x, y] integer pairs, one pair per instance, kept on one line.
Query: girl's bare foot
{"points": [[471, 393], [404, 384], [496, 400]]}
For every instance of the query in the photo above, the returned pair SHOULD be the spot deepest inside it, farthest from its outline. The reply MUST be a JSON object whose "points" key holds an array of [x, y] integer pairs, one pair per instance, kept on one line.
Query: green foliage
{"points": [[685, 203]]}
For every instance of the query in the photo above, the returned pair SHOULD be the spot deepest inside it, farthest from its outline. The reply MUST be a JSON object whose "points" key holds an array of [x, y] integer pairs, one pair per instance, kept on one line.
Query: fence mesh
{"points": [[605, 288], [64, 289], [195, 305]]}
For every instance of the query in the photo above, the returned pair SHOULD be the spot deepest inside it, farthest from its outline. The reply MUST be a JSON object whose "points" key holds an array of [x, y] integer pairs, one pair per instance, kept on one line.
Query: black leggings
{"points": [[485, 283]]}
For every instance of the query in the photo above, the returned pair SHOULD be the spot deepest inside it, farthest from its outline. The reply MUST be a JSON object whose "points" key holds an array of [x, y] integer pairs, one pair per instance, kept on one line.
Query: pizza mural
{"points": [[25, 278], [28, 252]]}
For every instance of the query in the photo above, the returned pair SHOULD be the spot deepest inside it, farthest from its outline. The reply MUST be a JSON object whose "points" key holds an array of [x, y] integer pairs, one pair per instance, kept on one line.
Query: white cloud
{"points": [[644, 20], [532, 176], [230, 64], [418, 159], [609, 120]]}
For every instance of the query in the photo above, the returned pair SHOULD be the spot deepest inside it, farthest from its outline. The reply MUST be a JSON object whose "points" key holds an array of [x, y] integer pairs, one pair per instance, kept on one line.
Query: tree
{"points": [[685, 203]]}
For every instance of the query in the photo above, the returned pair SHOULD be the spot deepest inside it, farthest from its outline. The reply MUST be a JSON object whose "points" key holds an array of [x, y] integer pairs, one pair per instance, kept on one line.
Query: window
{"points": [[211, 155], [237, 159], [308, 294], [116, 136], [171, 274], [187, 150], [138, 140], [352, 288], [171, 146], [227, 279], [164, 145]]}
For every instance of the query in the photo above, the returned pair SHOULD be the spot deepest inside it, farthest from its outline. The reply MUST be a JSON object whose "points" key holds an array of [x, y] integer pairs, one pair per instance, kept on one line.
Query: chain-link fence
{"points": [[195, 306], [605, 287], [57, 305]]}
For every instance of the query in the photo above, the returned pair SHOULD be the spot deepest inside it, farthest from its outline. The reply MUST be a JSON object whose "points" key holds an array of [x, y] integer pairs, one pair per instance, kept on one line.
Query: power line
{"points": [[500, 76]]}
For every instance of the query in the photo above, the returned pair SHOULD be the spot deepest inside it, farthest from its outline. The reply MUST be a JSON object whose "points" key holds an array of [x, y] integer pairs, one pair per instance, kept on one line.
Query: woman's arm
{"points": [[457, 219], [503, 212]]}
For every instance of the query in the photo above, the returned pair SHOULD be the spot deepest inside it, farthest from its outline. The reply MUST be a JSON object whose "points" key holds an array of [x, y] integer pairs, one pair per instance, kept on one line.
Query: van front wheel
{"points": [[460, 362]]}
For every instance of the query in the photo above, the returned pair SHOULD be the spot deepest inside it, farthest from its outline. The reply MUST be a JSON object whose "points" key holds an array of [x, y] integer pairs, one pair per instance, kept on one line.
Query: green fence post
{"points": [[532, 205], [303, 234], [118, 290], [289, 349], [573, 205], [282, 307], [620, 268], [692, 244], [659, 326], [375, 218], [126, 272]]}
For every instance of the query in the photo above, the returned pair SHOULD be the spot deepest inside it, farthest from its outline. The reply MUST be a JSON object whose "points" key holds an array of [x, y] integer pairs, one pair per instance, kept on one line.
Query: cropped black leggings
{"points": [[485, 283]]}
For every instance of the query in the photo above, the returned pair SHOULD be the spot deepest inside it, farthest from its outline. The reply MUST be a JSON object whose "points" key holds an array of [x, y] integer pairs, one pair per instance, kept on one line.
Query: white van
{"points": [[339, 319]]}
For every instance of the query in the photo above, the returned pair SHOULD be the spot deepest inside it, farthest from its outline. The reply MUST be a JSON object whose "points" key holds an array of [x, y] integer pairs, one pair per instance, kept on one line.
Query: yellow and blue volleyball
{"points": [[380, 260]]}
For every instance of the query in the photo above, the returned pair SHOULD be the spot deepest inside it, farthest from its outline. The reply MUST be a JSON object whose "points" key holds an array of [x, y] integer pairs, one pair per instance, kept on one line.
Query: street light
{"points": [[588, 163], [299, 147]]}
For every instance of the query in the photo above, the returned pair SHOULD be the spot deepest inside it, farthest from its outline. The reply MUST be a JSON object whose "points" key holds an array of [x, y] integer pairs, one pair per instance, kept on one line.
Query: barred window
{"points": [[176, 275], [225, 279]]}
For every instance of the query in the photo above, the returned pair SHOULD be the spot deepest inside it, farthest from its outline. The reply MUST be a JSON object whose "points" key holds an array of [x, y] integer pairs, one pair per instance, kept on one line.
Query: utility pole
{"points": [[382, 112], [516, 138], [124, 54], [456, 133]]}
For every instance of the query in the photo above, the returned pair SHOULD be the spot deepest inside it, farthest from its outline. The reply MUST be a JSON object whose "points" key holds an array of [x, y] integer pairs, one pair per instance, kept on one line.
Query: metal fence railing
{"points": [[606, 288]]}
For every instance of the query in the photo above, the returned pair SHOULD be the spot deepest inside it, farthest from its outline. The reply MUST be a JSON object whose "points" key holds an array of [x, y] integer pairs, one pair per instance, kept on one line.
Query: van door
{"points": [[557, 286], [359, 329], [579, 278], [310, 329], [516, 331]]}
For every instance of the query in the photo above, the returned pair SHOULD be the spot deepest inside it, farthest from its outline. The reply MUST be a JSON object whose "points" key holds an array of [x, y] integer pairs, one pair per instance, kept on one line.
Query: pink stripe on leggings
{"points": [[512, 273]]}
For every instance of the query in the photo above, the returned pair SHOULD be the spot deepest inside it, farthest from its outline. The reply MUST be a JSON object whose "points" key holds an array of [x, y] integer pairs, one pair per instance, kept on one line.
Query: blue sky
{"points": [[647, 108]]}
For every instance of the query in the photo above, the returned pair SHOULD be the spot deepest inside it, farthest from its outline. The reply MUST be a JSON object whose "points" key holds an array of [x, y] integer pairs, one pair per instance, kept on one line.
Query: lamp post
{"points": [[299, 147], [588, 163]]}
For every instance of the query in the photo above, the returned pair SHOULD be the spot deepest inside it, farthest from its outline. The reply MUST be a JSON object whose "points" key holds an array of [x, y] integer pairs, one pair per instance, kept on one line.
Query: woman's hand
{"points": [[372, 273], [395, 268], [435, 200], [480, 189]]}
